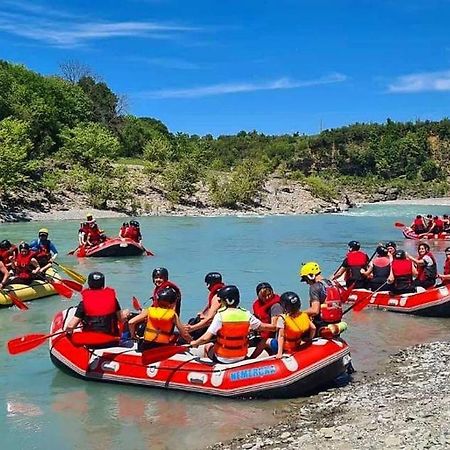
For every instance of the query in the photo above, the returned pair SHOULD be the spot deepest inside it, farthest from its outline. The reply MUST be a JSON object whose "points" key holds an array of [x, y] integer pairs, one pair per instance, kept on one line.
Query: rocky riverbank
{"points": [[406, 406]]}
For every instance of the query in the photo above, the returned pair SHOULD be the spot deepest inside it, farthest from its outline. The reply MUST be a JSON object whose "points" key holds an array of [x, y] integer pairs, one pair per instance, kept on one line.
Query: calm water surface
{"points": [[44, 408]]}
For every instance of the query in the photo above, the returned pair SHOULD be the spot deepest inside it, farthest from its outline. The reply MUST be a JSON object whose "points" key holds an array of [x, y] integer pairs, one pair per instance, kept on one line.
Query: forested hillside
{"points": [[69, 132]]}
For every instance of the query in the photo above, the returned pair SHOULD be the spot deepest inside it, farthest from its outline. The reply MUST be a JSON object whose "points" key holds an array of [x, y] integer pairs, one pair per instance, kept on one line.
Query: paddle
{"points": [[136, 304], [58, 287], [158, 354], [69, 283], [16, 300], [399, 225], [72, 273], [360, 304], [148, 252]]}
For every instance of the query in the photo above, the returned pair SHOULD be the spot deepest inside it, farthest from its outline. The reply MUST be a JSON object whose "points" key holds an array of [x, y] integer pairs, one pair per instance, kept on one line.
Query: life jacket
{"points": [[232, 338], [5, 256], [94, 234], [163, 285], [100, 308], [446, 270], [160, 325], [427, 273], [356, 260], [23, 267], [132, 233], [122, 231], [419, 226], [438, 223], [381, 268], [43, 253], [402, 270], [331, 306], [262, 312], [294, 330]]}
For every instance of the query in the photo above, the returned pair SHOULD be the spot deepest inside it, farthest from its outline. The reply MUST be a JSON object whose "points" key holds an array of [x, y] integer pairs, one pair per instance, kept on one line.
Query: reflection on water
{"points": [[70, 413]]}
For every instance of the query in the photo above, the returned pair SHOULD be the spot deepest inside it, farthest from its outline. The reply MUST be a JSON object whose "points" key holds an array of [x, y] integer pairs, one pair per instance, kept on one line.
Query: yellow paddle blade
{"points": [[73, 274]]}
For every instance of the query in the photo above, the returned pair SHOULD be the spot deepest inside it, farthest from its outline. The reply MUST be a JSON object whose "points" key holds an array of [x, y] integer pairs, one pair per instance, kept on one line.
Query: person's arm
{"points": [[203, 339], [135, 320], [391, 277], [76, 319], [368, 271], [5, 273], [183, 333], [339, 273], [419, 262], [207, 318], [35, 264], [53, 251], [314, 309], [312, 330], [414, 271], [280, 340]]}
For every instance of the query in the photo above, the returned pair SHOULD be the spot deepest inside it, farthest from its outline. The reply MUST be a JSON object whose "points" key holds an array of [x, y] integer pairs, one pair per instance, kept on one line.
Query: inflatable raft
{"points": [[303, 372], [410, 234], [36, 290], [433, 302], [112, 247]]}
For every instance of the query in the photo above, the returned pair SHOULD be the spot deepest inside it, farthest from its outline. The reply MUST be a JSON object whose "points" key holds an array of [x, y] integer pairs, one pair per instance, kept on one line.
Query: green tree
{"points": [[179, 179]]}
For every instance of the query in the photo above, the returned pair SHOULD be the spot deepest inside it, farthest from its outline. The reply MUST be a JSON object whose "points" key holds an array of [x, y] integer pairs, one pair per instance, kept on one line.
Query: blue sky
{"points": [[272, 66]]}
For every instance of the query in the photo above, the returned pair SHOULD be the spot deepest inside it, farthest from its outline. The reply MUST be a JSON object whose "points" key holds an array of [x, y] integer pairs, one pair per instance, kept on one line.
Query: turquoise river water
{"points": [[40, 407]]}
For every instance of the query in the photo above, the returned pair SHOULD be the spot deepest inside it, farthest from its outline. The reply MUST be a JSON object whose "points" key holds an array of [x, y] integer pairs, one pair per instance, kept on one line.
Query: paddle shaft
{"points": [[357, 302]]}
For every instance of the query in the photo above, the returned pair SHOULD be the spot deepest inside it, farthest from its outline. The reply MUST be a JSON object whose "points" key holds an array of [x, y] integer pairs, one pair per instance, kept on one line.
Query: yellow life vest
{"points": [[160, 325], [294, 329]]}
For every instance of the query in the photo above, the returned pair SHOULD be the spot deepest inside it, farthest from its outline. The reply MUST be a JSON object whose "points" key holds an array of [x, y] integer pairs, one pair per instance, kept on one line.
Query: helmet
{"points": [[43, 231], [167, 295], [381, 250], [400, 254], [391, 244], [90, 218], [134, 223], [354, 245], [229, 295], [263, 285], [160, 272], [447, 250], [96, 280], [5, 244], [213, 277], [418, 216], [24, 246], [290, 301], [309, 270]]}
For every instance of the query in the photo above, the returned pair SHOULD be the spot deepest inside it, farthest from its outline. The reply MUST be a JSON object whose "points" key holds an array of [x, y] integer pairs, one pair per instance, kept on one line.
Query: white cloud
{"points": [[421, 82], [61, 29], [233, 88]]}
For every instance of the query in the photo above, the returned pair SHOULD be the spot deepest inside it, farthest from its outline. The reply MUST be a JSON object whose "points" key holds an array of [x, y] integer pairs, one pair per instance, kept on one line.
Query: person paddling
{"points": [[426, 266], [197, 326], [354, 261], [24, 265], [44, 250], [378, 270]]}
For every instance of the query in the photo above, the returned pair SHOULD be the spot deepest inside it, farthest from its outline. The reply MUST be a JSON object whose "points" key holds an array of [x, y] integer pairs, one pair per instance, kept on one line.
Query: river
{"points": [[44, 408]]}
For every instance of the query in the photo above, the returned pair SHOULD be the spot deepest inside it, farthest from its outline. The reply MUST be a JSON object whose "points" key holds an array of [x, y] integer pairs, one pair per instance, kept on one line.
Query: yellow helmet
{"points": [[43, 231], [309, 270]]}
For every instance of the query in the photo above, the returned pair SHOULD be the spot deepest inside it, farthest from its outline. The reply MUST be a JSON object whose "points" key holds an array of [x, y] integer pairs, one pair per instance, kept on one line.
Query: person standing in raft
{"points": [[426, 266], [44, 250], [379, 270], [99, 309], [418, 225], [354, 261], [198, 325], [24, 265], [324, 297], [161, 322], [133, 232], [230, 325], [402, 272], [160, 277], [266, 308], [445, 277]]}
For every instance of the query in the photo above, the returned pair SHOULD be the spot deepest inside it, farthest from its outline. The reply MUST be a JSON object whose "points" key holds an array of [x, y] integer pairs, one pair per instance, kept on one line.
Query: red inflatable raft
{"points": [[433, 302], [305, 371], [411, 234], [112, 247]]}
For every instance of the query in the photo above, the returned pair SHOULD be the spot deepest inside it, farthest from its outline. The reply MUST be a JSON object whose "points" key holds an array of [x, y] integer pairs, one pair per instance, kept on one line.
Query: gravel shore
{"points": [[406, 406]]}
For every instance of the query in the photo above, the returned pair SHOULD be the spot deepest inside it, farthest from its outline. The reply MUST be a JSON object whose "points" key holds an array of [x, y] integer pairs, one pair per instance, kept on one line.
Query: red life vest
{"points": [[23, 266], [163, 285], [122, 231], [356, 260], [100, 307], [5, 255], [446, 270], [94, 234], [43, 254], [402, 270], [438, 223], [331, 307], [262, 312], [418, 223], [381, 268], [427, 272], [132, 233]]}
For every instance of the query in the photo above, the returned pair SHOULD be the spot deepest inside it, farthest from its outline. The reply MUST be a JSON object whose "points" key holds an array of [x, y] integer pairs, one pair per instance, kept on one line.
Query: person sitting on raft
{"points": [[7, 253], [92, 233], [445, 277], [123, 229], [231, 325], [44, 250], [161, 322], [133, 232], [197, 325], [324, 297], [418, 225], [99, 309], [378, 270], [436, 226], [25, 266], [402, 273], [354, 261], [426, 266], [391, 247], [160, 277], [445, 223]]}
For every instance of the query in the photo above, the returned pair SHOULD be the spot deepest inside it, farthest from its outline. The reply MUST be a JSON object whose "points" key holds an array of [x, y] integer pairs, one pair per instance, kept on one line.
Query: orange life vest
{"points": [[23, 266], [294, 330], [160, 325], [232, 338]]}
